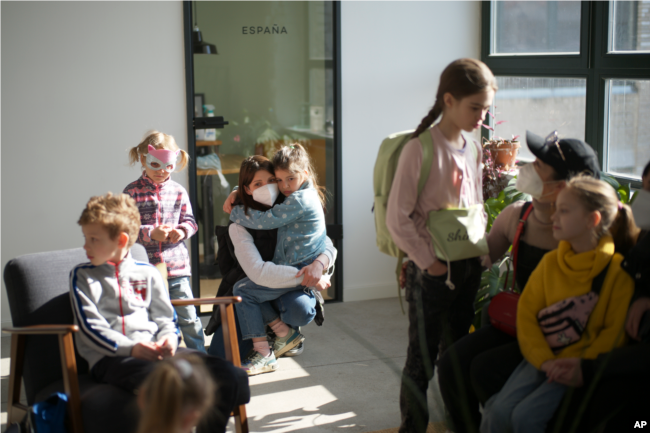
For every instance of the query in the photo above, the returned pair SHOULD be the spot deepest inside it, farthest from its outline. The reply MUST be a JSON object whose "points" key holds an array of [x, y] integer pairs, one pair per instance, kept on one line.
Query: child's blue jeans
{"points": [[255, 310], [296, 308], [190, 324], [526, 403]]}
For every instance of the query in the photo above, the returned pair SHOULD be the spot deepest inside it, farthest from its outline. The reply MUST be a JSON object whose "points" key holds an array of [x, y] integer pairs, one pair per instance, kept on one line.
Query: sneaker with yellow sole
{"points": [[256, 363], [291, 340]]}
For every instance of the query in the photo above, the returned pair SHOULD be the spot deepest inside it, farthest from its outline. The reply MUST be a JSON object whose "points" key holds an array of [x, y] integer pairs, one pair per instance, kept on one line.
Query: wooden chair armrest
{"points": [[227, 321], [207, 301], [42, 330]]}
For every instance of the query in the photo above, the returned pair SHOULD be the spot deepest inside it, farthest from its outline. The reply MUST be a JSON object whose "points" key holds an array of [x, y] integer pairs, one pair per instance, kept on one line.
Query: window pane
{"points": [[540, 105], [629, 26], [628, 130], [533, 27]]}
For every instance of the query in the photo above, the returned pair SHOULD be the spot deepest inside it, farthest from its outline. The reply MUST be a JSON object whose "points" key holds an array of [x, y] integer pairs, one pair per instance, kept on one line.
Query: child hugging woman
{"points": [[167, 221], [574, 304], [300, 221]]}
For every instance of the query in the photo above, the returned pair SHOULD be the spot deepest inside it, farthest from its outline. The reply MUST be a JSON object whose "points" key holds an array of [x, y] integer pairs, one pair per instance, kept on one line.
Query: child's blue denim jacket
{"points": [[300, 222]]}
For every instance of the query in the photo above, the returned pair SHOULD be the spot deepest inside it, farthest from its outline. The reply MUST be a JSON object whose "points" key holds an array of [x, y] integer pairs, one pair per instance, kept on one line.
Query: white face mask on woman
{"points": [[529, 182], [266, 194], [641, 209]]}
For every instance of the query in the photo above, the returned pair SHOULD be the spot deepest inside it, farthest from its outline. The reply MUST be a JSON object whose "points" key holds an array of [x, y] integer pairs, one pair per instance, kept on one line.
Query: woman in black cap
{"points": [[556, 160]]}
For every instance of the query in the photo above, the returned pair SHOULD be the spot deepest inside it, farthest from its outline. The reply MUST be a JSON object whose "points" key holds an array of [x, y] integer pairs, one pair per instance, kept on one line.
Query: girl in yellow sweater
{"points": [[560, 313]]}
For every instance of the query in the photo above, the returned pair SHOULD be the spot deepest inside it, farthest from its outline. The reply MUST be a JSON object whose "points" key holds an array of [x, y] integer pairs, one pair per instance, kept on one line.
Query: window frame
{"points": [[593, 63]]}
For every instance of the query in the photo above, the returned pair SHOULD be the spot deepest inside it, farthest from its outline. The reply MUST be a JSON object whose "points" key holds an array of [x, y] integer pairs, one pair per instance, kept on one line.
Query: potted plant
{"points": [[503, 151]]}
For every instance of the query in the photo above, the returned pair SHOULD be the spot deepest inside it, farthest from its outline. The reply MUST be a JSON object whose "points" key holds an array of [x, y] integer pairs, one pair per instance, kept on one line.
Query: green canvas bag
{"points": [[458, 234]]}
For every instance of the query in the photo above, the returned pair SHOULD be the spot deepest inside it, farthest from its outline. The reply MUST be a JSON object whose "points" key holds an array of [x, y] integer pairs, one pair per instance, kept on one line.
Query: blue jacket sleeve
{"points": [[278, 216]]}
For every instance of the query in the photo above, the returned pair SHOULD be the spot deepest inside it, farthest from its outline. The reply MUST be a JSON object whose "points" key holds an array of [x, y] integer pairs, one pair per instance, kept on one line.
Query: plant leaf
{"points": [[501, 121], [488, 127], [610, 180], [626, 190]]}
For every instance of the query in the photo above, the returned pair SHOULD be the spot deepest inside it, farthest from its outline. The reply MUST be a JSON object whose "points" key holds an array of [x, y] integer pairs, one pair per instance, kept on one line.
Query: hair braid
{"points": [[428, 120]]}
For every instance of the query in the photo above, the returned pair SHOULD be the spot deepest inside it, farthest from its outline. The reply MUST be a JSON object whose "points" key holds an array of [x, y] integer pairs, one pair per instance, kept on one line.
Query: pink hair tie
{"points": [[620, 205]]}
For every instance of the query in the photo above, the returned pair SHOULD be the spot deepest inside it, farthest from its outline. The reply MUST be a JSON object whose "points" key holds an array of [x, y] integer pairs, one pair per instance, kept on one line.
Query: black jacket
{"points": [[637, 264]]}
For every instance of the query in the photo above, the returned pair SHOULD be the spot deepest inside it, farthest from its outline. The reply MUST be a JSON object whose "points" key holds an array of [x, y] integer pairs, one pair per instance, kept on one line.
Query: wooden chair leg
{"points": [[71, 381], [231, 345], [232, 354], [241, 420], [15, 379]]}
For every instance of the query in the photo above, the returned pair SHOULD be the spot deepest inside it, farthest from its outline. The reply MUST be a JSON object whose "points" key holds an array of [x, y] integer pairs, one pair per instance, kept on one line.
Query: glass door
{"points": [[262, 75]]}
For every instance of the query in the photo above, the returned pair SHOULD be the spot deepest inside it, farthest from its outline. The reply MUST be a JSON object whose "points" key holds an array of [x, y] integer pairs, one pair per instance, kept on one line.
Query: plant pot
{"points": [[504, 152]]}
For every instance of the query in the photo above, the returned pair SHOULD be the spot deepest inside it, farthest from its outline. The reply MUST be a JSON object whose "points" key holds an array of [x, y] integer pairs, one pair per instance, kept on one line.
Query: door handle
{"points": [[209, 122]]}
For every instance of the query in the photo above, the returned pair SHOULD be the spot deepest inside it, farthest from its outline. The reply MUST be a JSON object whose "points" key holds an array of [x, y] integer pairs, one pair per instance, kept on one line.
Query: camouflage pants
{"points": [[438, 316]]}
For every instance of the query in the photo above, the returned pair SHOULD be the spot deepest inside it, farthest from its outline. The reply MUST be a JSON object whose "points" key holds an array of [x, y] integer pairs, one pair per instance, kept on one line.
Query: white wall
{"points": [[81, 83], [392, 57]]}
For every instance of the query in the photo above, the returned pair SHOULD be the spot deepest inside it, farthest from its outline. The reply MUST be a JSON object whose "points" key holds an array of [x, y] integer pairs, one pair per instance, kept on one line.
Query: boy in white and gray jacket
{"points": [[122, 308]]}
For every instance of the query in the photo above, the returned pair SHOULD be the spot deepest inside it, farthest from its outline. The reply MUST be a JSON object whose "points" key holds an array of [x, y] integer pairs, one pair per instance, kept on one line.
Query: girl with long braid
{"points": [[465, 93]]}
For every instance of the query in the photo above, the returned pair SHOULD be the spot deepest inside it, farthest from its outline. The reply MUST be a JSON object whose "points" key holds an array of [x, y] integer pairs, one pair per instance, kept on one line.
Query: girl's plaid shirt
{"points": [[164, 204]]}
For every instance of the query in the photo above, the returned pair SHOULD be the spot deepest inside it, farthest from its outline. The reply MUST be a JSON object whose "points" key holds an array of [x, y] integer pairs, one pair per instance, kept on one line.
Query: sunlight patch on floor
{"points": [[287, 369], [295, 409]]}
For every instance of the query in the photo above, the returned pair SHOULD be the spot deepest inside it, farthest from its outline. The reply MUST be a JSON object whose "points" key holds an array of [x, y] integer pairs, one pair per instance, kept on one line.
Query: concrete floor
{"points": [[347, 379]]}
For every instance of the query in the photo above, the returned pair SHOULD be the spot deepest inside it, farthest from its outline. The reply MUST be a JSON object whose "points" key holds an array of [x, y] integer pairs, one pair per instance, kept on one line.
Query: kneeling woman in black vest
{"points": [[249, 253]]}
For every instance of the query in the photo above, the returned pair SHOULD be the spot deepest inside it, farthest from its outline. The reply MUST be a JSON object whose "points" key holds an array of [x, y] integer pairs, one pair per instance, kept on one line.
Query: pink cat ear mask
{"points": [[164, 155]]}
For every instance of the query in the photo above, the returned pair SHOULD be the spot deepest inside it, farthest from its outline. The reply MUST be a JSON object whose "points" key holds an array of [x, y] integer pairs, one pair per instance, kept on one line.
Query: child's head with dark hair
{"points": [[645, 177], [461, 79], [175, 396], [110, 224], [293, 167]]}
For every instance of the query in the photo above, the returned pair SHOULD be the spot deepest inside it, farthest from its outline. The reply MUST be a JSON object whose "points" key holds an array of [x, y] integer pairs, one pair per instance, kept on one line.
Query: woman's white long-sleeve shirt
{"points": [[268, 274]]}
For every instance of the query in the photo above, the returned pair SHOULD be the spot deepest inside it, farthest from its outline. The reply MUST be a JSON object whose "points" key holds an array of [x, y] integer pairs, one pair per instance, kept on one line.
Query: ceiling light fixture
{"points": [[198, 45]]}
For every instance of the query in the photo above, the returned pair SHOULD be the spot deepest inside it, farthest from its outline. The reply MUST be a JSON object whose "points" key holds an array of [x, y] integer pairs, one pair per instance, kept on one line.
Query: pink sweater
{"points": [[455, 176]]}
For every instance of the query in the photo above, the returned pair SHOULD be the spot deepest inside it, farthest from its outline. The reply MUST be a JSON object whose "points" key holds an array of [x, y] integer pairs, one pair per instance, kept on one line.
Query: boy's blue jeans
{"points": [[255, 310], [190, 324], [526, 403]]}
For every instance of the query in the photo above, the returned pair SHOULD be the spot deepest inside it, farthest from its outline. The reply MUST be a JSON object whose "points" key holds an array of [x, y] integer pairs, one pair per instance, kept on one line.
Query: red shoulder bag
{"points": [[503, 306]]}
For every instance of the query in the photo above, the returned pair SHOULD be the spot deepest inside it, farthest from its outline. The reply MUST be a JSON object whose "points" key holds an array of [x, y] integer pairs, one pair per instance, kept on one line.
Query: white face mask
{"points": [[641, 209], [266, 194], [528, 181]]}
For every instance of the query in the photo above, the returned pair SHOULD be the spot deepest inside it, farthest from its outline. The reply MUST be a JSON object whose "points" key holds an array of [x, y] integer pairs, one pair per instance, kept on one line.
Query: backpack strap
{"points": [[597, 283], [526, 209], [472, 148], [427, 160]]}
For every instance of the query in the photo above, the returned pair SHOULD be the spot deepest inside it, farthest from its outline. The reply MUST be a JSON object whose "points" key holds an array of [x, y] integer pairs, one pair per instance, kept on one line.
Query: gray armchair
{"points": [[43, 353]]}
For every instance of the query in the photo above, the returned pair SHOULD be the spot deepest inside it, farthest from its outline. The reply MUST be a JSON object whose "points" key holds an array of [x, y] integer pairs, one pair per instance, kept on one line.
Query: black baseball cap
{"points": [[573, 156]]}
